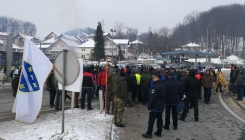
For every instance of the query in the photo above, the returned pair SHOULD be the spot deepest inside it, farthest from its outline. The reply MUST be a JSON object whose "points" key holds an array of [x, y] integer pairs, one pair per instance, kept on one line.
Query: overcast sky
{"points": [[63, 15]]}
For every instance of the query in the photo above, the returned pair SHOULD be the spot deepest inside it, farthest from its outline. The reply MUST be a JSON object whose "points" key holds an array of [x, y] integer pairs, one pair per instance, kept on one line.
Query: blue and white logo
{"points": [[29, 80]]}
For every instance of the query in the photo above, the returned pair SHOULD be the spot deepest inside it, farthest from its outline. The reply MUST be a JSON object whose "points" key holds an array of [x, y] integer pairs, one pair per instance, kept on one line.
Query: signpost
{"points": [[66, 71]]}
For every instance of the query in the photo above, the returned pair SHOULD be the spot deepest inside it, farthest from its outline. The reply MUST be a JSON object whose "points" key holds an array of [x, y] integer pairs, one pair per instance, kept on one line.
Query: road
{"points": [[7, 100], [215, 122]]}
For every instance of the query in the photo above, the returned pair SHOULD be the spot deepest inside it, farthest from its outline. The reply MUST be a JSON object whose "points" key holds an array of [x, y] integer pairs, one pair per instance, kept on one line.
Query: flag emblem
{"points": [[29, 80]]}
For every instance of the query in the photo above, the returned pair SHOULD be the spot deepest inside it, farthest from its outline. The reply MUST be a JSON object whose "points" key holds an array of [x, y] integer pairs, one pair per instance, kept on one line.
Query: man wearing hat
{"points": [[174, 94], [156, 106]]}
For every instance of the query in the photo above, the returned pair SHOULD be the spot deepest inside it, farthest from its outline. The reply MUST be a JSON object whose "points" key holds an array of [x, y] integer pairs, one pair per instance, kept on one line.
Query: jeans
{"points": [[145, 94], [181, 106], [240, 91], [207, 94], [87, 91]]}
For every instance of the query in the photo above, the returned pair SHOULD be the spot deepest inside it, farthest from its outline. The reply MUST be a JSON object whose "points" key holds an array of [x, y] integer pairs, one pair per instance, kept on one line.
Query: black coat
{"points": [[234, 76], [191, 85], [131, 82], [174, 92], [157, 97]]}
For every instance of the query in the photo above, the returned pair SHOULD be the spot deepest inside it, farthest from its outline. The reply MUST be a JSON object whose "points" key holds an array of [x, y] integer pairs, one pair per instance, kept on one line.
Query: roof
{"points": [[191, 45], [137, 42], [121, 41], [4, 33], [43, 46], [89, 43], [70, 43], [69, 37], [14, 46], [50, 41], [24, 36], [188, 53], [51, 33]]}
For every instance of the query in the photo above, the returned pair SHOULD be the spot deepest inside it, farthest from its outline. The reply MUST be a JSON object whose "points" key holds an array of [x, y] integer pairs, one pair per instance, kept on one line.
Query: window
{"points": [[83, 56], [83, 49]]}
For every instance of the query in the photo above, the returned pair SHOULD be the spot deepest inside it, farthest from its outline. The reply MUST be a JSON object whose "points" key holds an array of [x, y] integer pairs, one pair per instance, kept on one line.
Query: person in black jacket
{"points": [[191, 87], [233, 78], [51, 88], [131, 83], [174, 94], [156, 106]]}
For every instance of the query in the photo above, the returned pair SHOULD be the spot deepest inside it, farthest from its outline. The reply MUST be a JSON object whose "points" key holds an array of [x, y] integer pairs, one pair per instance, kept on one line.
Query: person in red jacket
{"points": [[101, 81], [87, 86]]}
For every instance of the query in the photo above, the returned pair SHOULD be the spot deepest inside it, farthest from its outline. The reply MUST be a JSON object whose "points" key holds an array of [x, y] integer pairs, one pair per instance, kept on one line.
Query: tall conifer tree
{"points": [[99, 39]]}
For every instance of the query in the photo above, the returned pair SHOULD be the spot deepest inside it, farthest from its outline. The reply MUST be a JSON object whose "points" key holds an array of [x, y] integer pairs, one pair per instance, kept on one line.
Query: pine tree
{"points": [[99, 39]]}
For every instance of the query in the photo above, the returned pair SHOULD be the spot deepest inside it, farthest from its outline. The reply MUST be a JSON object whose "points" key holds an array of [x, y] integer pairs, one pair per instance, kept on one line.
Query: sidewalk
{"points": [[241, 104]]}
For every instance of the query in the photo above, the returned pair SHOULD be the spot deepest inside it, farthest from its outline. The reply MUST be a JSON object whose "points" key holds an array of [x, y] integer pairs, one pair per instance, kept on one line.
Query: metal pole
{"points": [[112, 48], [63, 90], [207, 47], [9, 57]]}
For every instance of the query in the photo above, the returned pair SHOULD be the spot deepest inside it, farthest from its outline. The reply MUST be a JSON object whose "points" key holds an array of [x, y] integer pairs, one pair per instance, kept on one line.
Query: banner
{"points": [[35, 69]]}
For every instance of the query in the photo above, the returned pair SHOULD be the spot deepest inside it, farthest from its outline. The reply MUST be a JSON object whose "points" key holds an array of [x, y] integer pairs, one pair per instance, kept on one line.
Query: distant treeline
{"points": [[15, 26]]}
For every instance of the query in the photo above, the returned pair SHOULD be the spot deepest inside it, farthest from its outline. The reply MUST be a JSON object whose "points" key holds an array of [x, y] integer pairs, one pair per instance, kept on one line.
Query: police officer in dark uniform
{"points": [[174, 94], [156, 106]]}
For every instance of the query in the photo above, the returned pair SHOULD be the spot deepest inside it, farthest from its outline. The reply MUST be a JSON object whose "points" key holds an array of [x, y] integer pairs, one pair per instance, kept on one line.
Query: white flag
{"points": [[35, 69]]}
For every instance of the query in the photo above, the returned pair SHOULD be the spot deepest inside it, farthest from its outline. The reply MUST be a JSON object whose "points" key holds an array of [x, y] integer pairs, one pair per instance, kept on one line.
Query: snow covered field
{"points": [[79, 125]]}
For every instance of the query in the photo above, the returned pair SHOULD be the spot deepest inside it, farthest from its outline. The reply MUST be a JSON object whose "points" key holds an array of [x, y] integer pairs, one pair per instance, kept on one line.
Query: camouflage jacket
{"points": [[120, 87], [110, 82]]}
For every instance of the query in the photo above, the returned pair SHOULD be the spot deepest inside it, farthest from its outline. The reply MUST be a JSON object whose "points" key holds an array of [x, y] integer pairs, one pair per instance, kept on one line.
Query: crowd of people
{"points": [[176, 91]]}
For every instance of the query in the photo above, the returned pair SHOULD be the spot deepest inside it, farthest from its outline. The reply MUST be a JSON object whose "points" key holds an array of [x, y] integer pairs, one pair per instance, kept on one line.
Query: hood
{"points": [[243, 70], [192, 73], [118, 79]]}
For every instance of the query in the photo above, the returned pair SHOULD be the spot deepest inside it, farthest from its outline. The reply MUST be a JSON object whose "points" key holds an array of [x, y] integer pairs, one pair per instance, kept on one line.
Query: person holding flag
{"points": [[35, 69]]}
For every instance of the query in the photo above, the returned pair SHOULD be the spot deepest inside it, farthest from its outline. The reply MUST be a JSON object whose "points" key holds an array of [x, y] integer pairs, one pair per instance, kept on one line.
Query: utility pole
{"points": [[103, 23], [9, 56]]}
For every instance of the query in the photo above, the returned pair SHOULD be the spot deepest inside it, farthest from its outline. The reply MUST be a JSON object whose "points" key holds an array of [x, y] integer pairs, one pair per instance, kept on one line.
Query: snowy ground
{"points": [[79, 124]]}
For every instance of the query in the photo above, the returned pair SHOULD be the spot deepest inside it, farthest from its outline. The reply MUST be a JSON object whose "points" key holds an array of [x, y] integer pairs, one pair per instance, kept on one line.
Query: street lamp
{"points": [[207, 43], [112, 30]]}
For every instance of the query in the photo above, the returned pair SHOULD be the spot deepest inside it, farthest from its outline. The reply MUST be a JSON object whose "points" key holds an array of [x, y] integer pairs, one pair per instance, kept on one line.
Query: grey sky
{"points": [[62, 15]]}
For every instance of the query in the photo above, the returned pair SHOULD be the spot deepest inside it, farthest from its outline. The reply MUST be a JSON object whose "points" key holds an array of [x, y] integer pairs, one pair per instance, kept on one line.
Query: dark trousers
{"points": [[200, 93], [76, 95], [240, 91], [52, 94], [194, 102], [207, 94], [145, 94], [174, 116], [138, 92], [152, 117], [58, 100], [87, 91]]}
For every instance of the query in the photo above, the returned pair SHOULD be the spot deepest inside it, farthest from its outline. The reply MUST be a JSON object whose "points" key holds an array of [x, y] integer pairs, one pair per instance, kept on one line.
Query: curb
{"points": [[241, 106]]}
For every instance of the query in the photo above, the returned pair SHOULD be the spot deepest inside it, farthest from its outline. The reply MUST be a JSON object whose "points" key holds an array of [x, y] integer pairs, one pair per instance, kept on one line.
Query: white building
{"points": [[122, 44], [85, 50], [191, 47]]}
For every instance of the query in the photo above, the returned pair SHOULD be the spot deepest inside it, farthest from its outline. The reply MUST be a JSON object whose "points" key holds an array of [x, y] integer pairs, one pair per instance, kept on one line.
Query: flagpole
{"points": [[106, 71], [63, 90]]}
